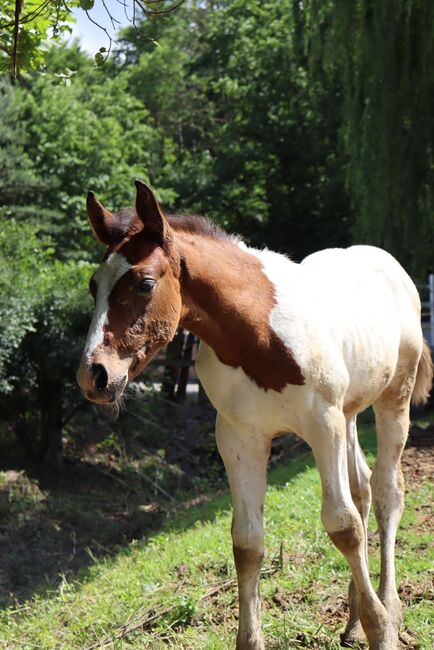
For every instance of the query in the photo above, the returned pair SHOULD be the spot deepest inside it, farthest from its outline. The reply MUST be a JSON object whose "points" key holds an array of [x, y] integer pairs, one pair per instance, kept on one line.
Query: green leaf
{"points": [[87, 4], [99, 59]]}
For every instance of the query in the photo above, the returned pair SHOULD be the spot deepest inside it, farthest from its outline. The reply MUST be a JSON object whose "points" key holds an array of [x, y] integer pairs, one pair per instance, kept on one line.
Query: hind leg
{"points": [[392, 417], [388, 490], [359, 475], [326, 433]]}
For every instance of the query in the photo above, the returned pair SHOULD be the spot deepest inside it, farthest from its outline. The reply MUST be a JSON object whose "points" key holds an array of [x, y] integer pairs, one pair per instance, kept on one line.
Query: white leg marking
{"points": [[245, 456]]}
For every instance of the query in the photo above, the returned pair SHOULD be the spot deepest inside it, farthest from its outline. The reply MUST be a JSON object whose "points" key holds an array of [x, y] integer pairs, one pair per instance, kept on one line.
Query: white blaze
{"points": [[106, 277]]}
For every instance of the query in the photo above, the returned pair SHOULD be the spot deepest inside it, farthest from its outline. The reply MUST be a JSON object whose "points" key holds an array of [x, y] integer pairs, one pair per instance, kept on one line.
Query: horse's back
{"points": [[374, 314], [366, 282]]}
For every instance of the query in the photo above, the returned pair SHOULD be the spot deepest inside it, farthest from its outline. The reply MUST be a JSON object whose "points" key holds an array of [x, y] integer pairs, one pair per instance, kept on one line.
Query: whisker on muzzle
{"points": [[116, 407]]}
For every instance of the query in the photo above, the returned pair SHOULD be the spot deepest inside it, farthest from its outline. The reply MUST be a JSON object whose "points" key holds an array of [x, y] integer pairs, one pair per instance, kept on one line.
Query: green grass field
{"points": [[176, 587]]}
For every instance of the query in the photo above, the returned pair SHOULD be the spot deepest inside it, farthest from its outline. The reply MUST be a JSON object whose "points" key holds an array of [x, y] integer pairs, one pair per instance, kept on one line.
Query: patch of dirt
{"points": [[119, 482], [418, 457], [56, 527], [334, 611], [284, 599], [413, 592]]}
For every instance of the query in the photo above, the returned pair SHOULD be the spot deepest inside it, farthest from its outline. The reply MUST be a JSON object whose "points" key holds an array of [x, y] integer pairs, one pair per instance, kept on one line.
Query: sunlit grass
{"points": [[172, 573]]}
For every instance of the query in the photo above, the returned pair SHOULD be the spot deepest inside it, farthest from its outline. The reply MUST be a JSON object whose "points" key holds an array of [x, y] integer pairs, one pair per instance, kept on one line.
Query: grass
{"points": [[183, 577]]}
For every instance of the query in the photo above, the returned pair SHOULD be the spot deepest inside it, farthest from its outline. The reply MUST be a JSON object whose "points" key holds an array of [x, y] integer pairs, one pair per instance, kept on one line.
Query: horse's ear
{"points": [[150, 213], [103, 222]]}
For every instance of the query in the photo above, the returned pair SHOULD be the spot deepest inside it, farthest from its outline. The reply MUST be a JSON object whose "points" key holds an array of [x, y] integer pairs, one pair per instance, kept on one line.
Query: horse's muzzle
{"points": [[98, 386]]}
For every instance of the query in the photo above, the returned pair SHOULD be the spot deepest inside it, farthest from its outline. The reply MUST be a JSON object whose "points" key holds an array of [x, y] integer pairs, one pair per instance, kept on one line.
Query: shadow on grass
{"points": [[60, 525]]}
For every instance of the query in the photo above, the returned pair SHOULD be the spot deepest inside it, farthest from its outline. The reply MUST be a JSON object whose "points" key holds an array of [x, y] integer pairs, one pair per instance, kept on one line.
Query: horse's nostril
{"points": [[100, 376]]}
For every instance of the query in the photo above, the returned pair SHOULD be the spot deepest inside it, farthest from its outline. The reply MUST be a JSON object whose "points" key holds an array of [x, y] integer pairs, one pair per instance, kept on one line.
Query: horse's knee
{"points": [[344, 526], [248, 544], [349, 539], [247, 560]]}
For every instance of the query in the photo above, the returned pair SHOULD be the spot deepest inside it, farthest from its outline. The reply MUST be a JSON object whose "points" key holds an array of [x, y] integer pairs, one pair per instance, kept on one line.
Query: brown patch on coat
{"points": [[227, 299], [143, 322], [247, 560], [227, 303], [347, 540]]}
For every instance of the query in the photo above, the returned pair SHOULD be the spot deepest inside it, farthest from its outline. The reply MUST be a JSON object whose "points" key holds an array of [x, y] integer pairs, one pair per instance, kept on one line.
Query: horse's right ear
{"points": [[150, 214], [103, 222]]}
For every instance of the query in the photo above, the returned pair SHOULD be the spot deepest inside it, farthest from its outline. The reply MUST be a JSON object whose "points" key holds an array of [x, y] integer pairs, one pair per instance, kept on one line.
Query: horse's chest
{"points": [[239, 399]]}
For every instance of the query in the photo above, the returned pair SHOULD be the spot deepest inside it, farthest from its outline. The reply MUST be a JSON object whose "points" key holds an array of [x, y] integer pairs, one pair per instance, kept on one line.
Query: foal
{"points": [[284, 347]]}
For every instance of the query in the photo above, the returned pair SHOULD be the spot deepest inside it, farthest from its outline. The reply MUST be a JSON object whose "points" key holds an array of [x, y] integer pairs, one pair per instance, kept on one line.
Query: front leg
{"points": [[245, 454]]}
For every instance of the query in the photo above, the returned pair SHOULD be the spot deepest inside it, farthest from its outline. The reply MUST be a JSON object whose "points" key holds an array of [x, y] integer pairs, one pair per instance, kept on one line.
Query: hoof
{"points": [[388, 642], [407, 640], [353, 637], [250, 643]]}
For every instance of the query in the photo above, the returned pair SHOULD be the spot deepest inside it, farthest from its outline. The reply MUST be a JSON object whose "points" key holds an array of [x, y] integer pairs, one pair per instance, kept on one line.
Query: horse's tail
{"points": [[424, 377]]}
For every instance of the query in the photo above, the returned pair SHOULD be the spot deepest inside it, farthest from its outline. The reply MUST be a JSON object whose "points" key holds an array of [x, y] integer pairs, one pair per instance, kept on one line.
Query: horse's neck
{"points": [[220, 285], [227, 302]]}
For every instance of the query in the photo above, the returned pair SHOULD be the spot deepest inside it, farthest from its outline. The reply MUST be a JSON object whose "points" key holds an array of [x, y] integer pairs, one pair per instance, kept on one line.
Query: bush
{"points": [[44, 316]]}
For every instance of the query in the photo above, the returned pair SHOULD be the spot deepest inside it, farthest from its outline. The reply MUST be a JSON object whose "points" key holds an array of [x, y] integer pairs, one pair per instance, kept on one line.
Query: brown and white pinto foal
{"points": [[284, 347]]}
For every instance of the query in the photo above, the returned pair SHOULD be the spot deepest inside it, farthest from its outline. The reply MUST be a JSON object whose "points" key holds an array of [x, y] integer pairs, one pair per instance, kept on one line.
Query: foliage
{"points": [[43, 319], [62, 315], [83, 132], [38, 21], [255, 144], [384, 56], [23, 262], [18, 180], [27, 25]]}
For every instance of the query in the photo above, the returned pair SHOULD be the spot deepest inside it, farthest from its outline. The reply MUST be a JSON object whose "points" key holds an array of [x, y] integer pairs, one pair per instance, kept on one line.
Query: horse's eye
{"points": [[146, 285]]}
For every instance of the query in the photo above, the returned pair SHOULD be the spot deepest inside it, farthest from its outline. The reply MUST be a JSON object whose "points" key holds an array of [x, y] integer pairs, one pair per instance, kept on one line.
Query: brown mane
{"points": [[195, 224], [130, 224]]}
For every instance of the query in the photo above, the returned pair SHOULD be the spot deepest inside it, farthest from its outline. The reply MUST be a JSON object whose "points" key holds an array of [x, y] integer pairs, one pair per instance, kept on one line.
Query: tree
{"points": [[22, 256], [18, 178], [384, 55], [255, 144], [25, 26], [81, 131]]}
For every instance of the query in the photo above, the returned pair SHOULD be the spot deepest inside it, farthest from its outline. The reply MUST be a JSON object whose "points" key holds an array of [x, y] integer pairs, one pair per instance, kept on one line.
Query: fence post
{"points": [[187, 355], [431, 307], [172, 367]]}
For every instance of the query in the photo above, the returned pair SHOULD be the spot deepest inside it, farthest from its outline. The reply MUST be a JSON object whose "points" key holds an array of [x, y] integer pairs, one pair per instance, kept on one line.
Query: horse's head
{"points": [[137, 295]]}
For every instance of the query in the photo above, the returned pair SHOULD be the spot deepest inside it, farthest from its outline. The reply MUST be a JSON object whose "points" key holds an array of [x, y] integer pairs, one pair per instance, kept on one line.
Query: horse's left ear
{"points": [[150, 213]]}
